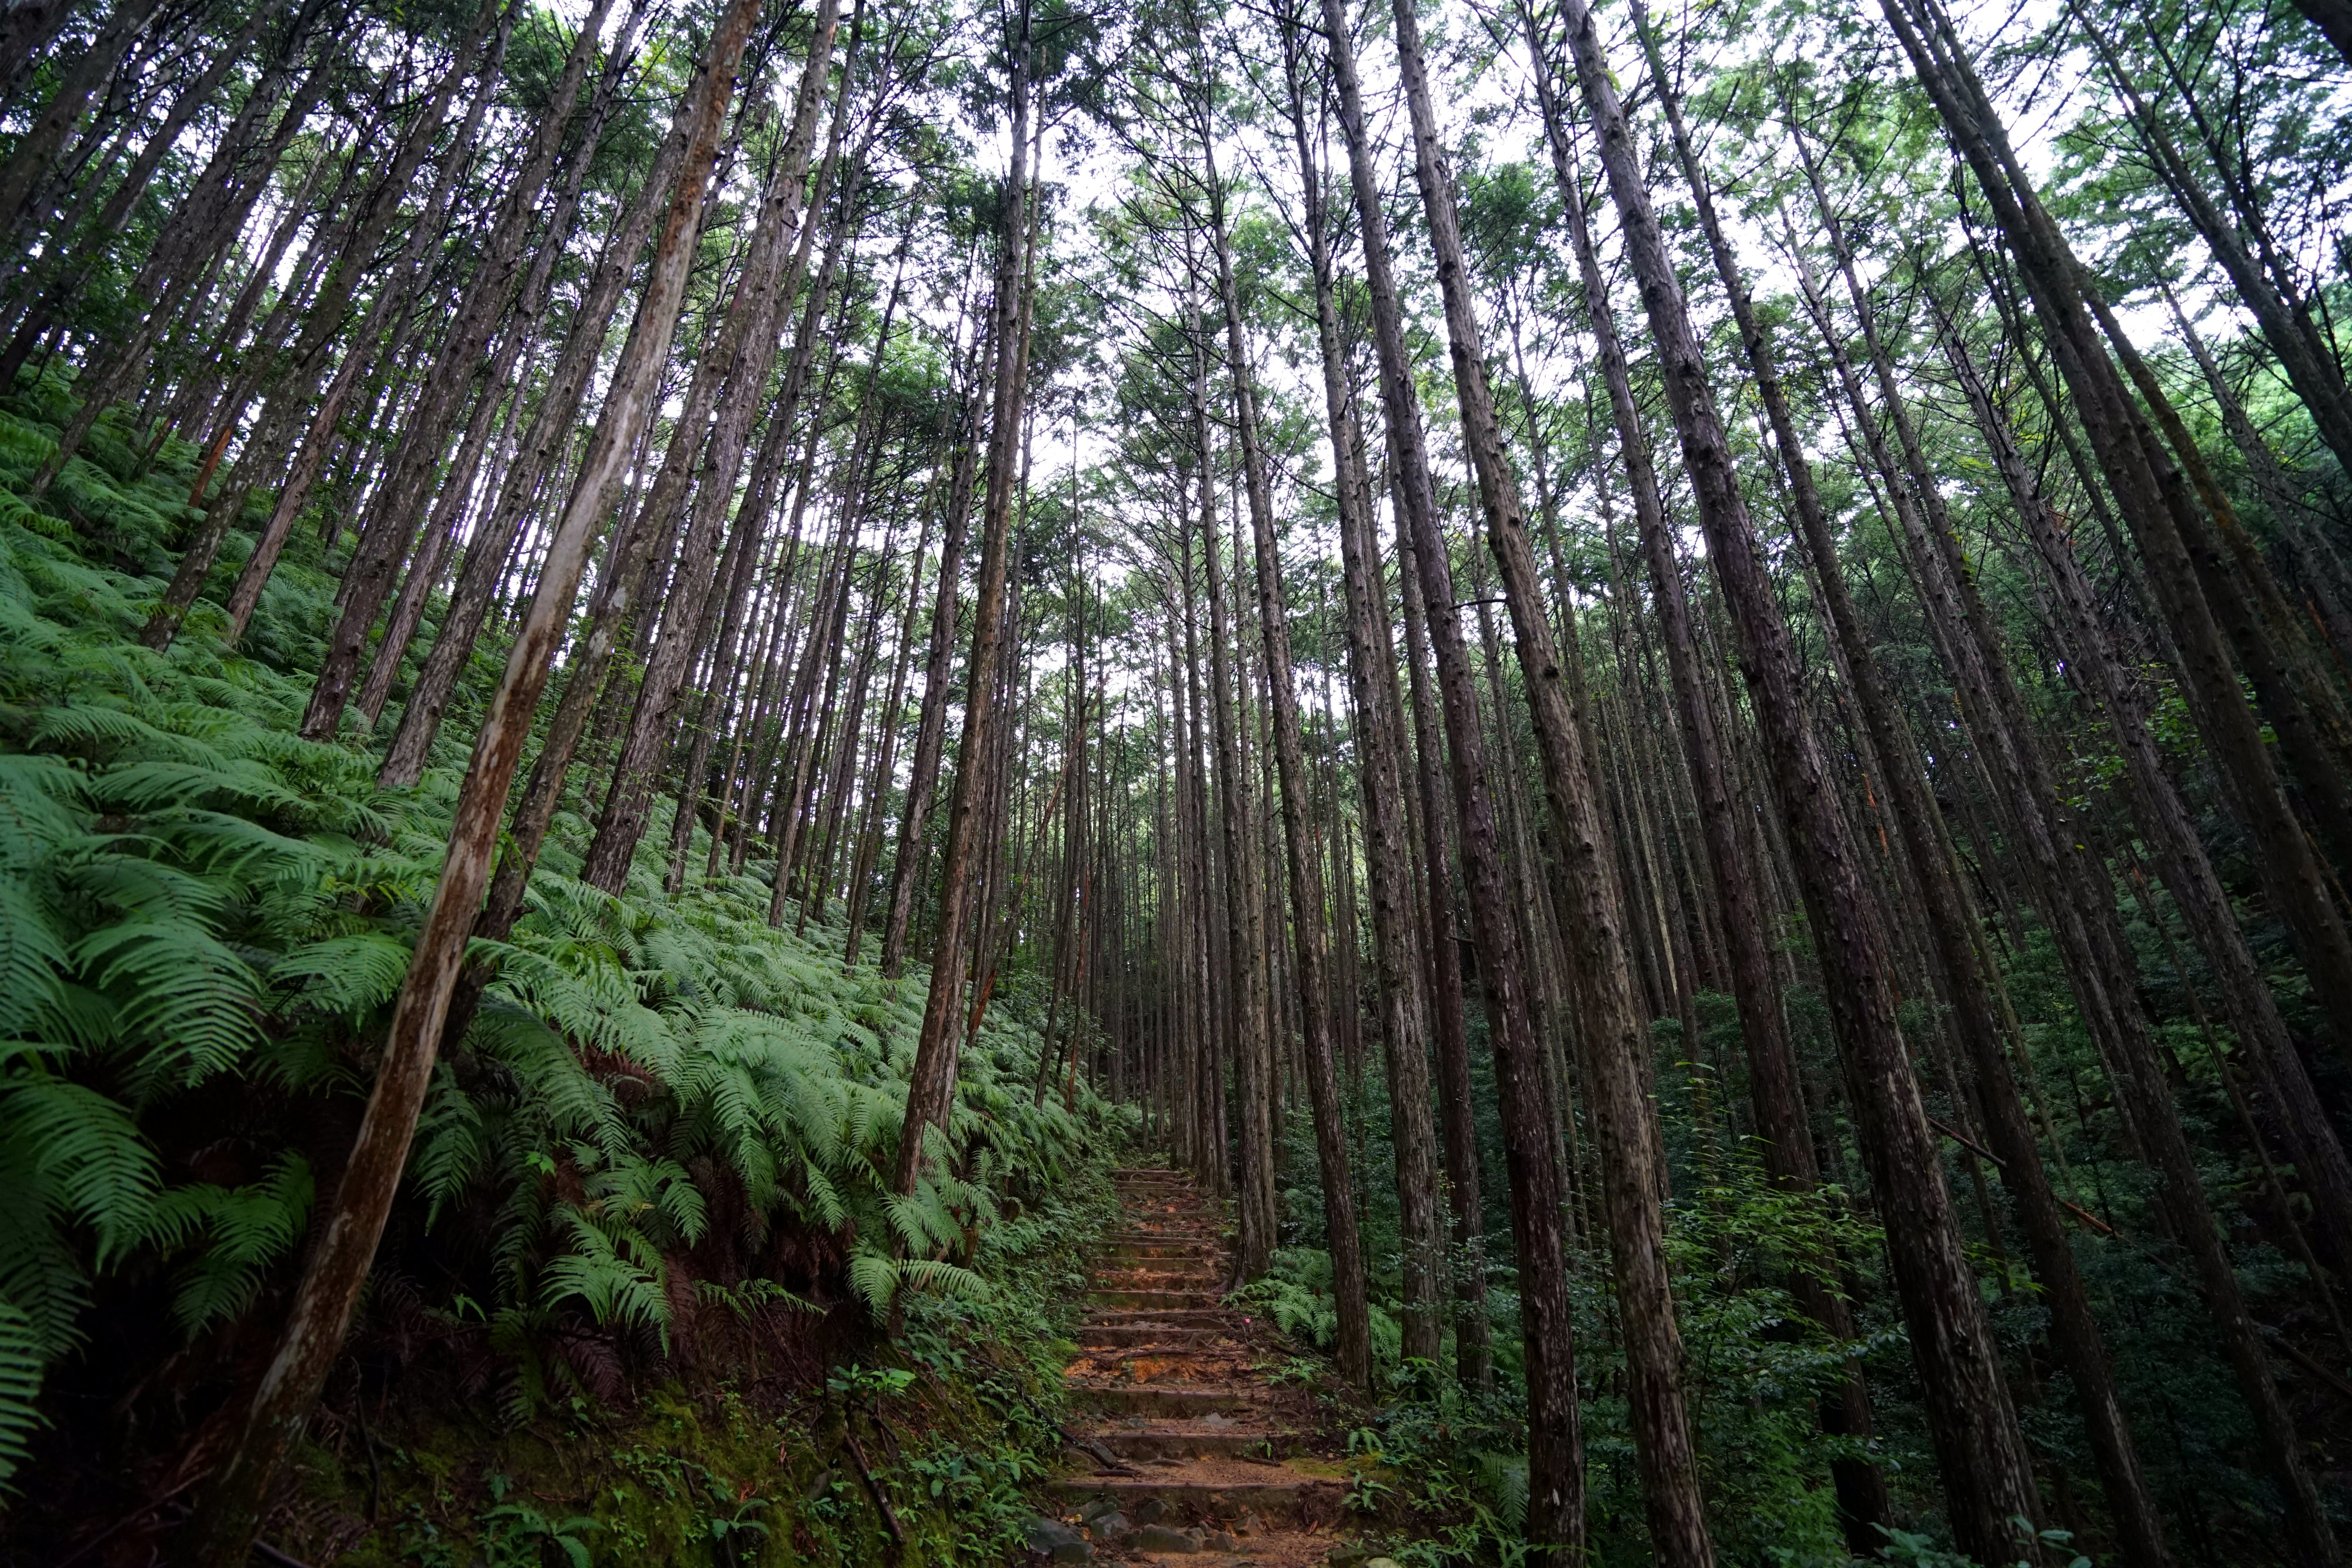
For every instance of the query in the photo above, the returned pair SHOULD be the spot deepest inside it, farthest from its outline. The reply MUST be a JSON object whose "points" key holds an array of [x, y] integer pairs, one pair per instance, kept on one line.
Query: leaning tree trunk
{"points": [[744, 352], [352, 1222], [552, 430], [1250, 1026], [1555, 1439], [395, 513], [1615, 1044], [931, 1082], [1354, 1346], [1988, 1472], [1371, 670], [1775, 1087]]}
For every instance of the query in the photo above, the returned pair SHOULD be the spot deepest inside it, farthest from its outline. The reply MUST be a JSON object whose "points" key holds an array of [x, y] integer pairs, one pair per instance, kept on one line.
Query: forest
{"points": [[1652, 702]]}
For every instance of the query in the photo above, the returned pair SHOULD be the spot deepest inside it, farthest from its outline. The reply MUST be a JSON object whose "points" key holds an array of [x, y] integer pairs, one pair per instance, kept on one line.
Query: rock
{"points": [[1347, 1554], [1149, 1511], [1217, 1540], [1382, 1563], [1056, 1541], [1096, 1507], [1109, 1528], [1159, 1538], [1247, 1524]]}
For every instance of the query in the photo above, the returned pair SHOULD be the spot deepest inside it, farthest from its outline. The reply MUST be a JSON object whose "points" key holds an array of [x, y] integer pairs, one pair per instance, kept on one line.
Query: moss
{"points": [[957, 1417]]}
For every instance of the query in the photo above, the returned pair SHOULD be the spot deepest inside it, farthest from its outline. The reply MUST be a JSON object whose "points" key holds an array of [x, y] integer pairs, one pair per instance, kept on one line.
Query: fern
{"points": [[189, 890], [23, 1358], [874, 1279], [32, 957], [878, 1278], [85, 1154], [749, 1297], [450, 1146], [615, 1288], [182, 994], [251, 1228], [349, 977]]}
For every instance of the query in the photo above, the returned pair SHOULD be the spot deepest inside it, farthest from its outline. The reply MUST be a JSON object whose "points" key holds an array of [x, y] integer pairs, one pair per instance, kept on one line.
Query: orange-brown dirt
{"points": [[1181, 1429]]}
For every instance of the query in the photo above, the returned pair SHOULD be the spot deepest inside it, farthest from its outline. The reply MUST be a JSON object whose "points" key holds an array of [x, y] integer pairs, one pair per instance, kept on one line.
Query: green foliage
{"points": [[195, 903], [957, 1418], [22, 1358]]}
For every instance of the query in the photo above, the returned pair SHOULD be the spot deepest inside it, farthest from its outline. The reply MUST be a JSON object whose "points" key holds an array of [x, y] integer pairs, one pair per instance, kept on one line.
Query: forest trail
{"points": [[1201, 1458]]}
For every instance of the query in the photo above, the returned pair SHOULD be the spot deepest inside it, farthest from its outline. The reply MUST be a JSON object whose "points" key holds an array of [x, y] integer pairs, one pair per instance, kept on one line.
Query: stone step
{"points": [[1276, 1500], [1158, 1400], [1180, 1318], [1161, 1261], [1170, 1301], [1166, 1367], [1147, 1279], [1196, 1441], [1199, 1248], [1106, 1336]]}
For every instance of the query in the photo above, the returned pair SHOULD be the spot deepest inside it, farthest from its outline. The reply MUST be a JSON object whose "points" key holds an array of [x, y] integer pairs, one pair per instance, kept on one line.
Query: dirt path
{"points": [[1198, 1458]]}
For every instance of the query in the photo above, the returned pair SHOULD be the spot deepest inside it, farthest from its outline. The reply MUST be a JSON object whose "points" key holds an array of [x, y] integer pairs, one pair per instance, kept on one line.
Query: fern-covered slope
{"points": [[664, 1107]]}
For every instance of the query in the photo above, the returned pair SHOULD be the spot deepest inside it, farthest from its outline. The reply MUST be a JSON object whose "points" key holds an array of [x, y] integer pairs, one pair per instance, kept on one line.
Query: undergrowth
{"points": [[667, 1117], [1446, 1480]]}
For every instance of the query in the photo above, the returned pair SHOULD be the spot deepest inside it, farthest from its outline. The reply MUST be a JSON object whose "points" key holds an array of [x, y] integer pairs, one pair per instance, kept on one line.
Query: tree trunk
{"points": [[931, 1082], [460, 371], [1773, 1078], [744, 353], [552, 430], [1354, 1345], [1371, 669], [1555, 1442], [349, 1227], [1988, 1474]]}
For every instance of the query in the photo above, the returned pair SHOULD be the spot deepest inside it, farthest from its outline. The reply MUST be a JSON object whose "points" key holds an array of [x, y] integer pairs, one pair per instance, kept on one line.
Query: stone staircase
{"points": [[1197, 1456]]}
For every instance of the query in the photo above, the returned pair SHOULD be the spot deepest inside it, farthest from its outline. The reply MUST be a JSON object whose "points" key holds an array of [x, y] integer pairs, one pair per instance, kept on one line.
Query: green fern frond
{"points": [[942, 1280], [33, 956], [752, 1294], [614, 1288], [636, 1190], [451, 1144], [349, 977], [22, 1359], [87, 1152], [181, 992], [875, 1279], [823, 1197], [252, 1227], [41, 805], [96, 729]]}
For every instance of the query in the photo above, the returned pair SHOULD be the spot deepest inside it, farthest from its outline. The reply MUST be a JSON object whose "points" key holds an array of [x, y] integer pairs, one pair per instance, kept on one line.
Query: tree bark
{"points": [[1555, 1441], [744, 352], [1353, 1349], [1773, 1077], [1371, 670], [1586, 896], [931, 1082], [459, 373], [1988, 1473], [349, 1227]]}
